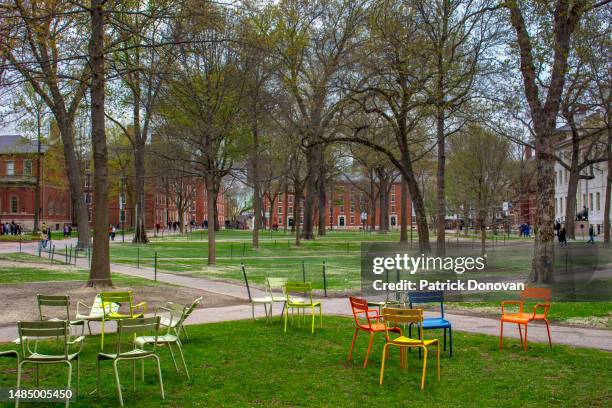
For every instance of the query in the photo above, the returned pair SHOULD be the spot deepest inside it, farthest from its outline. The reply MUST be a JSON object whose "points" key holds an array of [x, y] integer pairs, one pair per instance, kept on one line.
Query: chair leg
{"points": [[353, 344], [445, 339], [382, 363], [521, 335], [424, 367], [69, 380], [117, 383], [450, 338], [525, 344], [173, 359], [161, 381], [88, 327], [178, 345], [286, 318], [102, 339], [185, 331], [501, 334], [253, 310], [365, 362], [548, 331], [312, 311]]}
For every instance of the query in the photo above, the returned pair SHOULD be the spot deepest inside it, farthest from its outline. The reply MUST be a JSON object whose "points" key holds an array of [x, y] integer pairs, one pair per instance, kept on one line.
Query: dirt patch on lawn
{"points": [[18, 302]]}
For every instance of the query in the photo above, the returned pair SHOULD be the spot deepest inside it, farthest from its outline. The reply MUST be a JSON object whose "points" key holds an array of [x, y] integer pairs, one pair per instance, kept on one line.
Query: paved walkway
{"points": [[571, 336]]}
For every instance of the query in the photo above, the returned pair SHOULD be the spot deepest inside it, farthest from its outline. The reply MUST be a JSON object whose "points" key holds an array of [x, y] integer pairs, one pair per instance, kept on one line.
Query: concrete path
{"points": [[571, 336]]}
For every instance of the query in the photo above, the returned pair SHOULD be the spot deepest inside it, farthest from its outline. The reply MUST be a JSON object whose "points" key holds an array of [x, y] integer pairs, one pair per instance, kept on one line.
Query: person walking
{"points": [[563, 237], [591, 235], [43, 235]]}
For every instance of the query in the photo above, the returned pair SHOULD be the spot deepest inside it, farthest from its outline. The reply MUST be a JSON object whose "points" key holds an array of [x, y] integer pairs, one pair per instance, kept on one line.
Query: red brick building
{"points": [[18, 170], [344, 206]]}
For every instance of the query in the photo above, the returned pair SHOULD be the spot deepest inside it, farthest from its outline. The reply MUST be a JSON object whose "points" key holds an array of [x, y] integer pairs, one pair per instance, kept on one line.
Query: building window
{"points": [[280, 199], [290, 210], [590, 201], [27, 167], [290, 199], [392, 198], [280, 210], [342, 209], [352, 208], [584, 201], [14, 204], [392, 209], [88, 198], [331, 220], [10, 168], [352, 220], [598, 201]]}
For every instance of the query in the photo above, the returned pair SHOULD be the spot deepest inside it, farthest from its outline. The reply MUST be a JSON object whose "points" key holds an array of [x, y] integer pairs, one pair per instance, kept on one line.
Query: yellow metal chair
{"points": [[395, 316], [301, 303], [112, 305]]}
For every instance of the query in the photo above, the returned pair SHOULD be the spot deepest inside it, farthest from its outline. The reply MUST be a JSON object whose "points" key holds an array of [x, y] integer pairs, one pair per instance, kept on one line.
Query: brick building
{"points": [[344, 205], [18, 170]]}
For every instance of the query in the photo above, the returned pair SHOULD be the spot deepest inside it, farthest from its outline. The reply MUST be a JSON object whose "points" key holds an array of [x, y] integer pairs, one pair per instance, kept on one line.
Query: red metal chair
{"points": [[538, 294], [364, 321]]}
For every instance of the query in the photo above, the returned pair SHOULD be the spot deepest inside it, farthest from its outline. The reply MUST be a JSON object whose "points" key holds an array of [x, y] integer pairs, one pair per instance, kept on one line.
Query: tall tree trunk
{"points": [[440, 199], [404, 211], [373, 200], [483, 234], [311, 188], [297, 215], [544, 255], [140, 233], [608, 193], [322, 193], [384, 205], [285, 205], [570, 205], [38, 173], [212, 214], [100, 261]]}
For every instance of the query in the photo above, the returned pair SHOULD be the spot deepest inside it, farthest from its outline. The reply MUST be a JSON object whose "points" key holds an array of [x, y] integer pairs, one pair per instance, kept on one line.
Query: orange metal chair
{"points": [[538, 294], [363, 322]]}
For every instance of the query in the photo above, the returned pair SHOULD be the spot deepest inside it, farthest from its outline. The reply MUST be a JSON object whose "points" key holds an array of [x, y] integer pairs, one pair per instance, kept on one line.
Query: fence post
{"points": [[89, 255], [138, 257], [39, 248], [155, 266], [324, 280], [243, 249], [76, 254], [303, 272], [289, 244], [52, 253], [66, 253], [231, 250], [20, 244]]}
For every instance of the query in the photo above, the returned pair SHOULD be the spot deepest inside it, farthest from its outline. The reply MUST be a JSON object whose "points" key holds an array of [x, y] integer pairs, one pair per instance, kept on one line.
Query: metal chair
{"points": [[61, 302], [430, 323], [40, 330], [132, 327], [521, 318]]}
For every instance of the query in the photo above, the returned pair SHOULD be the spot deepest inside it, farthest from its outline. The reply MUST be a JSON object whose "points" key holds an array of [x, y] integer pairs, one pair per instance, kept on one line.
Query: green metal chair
{"points": [[40, 330], [169, 313], [297, 303], [11, 354], [264, 300], [93, 313], [276, 285], [61, 302], [126, 329], [176, 323], [125, 299]]}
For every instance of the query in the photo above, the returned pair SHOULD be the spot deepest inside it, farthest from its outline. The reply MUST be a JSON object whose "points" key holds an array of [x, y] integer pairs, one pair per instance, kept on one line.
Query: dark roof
{"points": [[17, 144]]}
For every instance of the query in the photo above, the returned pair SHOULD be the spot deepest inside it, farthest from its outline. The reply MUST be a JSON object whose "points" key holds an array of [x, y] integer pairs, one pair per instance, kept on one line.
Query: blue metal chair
{"points": [[416, 298]]}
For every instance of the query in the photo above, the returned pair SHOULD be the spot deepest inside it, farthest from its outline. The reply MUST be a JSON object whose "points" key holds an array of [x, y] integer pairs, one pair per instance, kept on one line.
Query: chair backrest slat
{"points": [[397, 315], [536, 293], [434, 296], [116, 297], [34, 330], [53, 300], [303, 288]]}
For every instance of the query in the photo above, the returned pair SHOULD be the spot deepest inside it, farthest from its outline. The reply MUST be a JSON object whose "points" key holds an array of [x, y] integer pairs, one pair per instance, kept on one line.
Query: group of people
{"points": [[525, 230], [11, 228], [561, 233], [67, 229], [112, 232]]}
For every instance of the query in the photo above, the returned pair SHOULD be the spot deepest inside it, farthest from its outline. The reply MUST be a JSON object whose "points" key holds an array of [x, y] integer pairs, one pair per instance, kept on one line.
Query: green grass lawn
{"points": [[249, 363]]}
